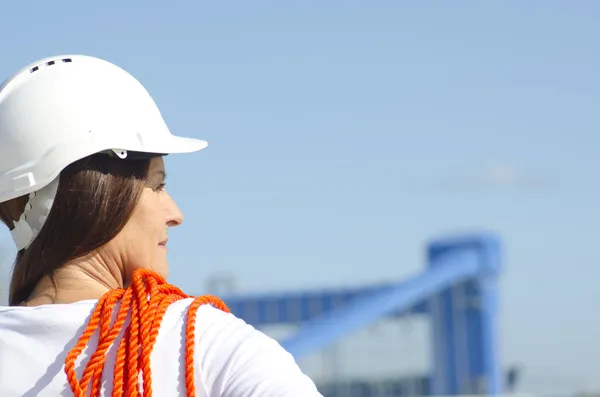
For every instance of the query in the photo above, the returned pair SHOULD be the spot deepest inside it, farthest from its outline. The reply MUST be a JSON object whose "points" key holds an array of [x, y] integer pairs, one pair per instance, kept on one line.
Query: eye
{"points": [[160, 187]]}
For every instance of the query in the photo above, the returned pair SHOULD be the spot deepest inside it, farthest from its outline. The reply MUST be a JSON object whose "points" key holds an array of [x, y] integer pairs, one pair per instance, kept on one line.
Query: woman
{"points": [[82, 189]]}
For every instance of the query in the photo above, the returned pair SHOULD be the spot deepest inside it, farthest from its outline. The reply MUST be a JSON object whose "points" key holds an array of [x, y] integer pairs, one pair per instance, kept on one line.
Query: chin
{"points": [[159, 267], [164, 273], [163, 270]]}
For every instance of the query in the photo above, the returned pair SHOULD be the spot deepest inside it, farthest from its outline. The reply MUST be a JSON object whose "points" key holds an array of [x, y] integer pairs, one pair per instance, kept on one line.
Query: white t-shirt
{"points": [[232, 358]]}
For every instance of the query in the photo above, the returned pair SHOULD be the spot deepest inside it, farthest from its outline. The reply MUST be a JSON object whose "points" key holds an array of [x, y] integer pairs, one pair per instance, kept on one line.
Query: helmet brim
{"points": [[178, 144]]}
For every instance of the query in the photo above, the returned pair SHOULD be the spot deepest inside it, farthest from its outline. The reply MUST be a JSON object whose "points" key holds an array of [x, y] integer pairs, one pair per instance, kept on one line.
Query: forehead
{"points": [[156, 172], [157, 165]]}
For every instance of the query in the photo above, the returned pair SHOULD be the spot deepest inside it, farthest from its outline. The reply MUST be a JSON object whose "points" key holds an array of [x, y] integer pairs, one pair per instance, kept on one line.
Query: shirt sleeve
{"points": [[236, 360]]}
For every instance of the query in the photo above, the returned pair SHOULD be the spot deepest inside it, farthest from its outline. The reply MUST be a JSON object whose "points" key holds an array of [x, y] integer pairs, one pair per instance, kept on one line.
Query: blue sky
{"points": [[344, 136]]}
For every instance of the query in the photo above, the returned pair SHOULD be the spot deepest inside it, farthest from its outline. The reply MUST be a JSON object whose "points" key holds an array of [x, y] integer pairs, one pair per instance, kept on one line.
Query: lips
{"points": [[163, 243]]}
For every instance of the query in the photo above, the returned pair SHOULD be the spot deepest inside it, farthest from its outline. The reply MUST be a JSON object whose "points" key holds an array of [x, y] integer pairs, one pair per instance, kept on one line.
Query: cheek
{"points": [[145, 237], [142, 251], [147, 221], [141, 238]]}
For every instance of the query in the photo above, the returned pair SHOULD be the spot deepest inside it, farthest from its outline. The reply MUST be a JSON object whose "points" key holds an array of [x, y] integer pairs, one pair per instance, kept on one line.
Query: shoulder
{"points": [[235, 359]]}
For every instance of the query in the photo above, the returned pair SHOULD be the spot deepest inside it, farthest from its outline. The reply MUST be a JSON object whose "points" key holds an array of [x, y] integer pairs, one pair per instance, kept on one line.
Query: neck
{"points": [[82, 279]]}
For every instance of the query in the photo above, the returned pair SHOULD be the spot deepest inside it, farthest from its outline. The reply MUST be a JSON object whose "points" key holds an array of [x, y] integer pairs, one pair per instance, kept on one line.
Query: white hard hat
{"points": [[61, 109]]}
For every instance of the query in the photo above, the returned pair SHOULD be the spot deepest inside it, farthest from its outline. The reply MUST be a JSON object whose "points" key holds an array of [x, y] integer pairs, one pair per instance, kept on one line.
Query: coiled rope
{"points": [[146, 300]]}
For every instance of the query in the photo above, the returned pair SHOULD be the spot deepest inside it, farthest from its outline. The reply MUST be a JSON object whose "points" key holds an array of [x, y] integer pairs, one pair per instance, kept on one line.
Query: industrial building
{"points": [[456, 292]]}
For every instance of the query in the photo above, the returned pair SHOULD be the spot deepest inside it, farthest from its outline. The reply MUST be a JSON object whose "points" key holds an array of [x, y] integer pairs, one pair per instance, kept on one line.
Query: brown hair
{"points": [[95, 199]]}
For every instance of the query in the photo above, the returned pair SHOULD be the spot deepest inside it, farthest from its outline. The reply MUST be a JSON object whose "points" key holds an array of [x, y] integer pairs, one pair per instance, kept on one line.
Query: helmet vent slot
{"points": [[49, 63]]}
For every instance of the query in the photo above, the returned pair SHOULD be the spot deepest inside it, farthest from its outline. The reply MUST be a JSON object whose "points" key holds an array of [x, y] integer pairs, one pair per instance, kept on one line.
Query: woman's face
{"points": [[143, 241]]}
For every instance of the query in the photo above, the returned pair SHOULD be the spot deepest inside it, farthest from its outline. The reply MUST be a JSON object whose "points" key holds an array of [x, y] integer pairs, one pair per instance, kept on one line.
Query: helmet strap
{"points": [[35, 215]]}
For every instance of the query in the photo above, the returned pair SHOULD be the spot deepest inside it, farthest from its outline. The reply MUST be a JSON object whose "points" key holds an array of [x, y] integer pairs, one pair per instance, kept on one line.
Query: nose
{"points": [[174, 214]]}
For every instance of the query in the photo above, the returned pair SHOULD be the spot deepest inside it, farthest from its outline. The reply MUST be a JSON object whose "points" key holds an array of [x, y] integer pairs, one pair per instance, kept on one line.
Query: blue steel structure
{"points": [[458, 290]]}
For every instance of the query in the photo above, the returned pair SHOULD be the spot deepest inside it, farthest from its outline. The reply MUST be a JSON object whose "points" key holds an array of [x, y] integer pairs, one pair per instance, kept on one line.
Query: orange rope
{"points": [[147, 299]]}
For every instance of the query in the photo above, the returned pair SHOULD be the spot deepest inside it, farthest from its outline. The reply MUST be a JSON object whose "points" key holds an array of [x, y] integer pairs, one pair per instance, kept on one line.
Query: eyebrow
{"points": [[161, 173]]}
